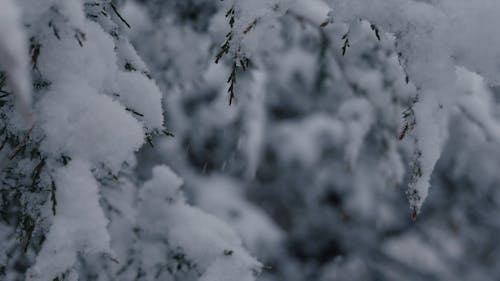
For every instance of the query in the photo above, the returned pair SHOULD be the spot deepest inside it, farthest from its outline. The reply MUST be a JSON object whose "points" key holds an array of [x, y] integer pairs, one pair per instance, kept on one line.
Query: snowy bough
{"points": [[441, 46], [69, 192], [77, 103]]}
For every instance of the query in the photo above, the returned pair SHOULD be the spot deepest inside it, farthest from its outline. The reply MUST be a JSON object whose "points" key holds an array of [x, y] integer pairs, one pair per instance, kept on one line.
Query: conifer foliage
{"points": [[294, 128], [71, 205]]}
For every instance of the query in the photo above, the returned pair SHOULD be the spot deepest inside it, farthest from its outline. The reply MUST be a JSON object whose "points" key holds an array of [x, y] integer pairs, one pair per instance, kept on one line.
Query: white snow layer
{"points": [[13, 54], [78, 227], [210, 243]]}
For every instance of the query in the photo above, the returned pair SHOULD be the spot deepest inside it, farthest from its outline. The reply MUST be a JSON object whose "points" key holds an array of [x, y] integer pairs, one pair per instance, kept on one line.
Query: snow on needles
{"points": [[78, 227], [212, 245], [13, 50], [433, 38]]}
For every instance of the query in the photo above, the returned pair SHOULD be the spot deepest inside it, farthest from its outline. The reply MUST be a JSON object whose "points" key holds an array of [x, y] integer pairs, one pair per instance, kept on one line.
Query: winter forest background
{"points": [[241, 140]]}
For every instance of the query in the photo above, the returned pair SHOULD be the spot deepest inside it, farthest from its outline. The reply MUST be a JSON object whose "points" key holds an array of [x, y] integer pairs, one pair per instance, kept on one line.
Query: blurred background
{"points": [[311, 163]]}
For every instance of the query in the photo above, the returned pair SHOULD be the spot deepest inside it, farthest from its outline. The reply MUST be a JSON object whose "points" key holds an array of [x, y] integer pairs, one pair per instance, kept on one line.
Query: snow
{"points": [[83, 95], [304, 168], [412, 251], [204, 238], [432, 38], [71, 112], [295, 139], [13, 47], [79, 226], [315, 11], [358, 117], [141, 95], [82, 62], [255, 125], [222, 198]]}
